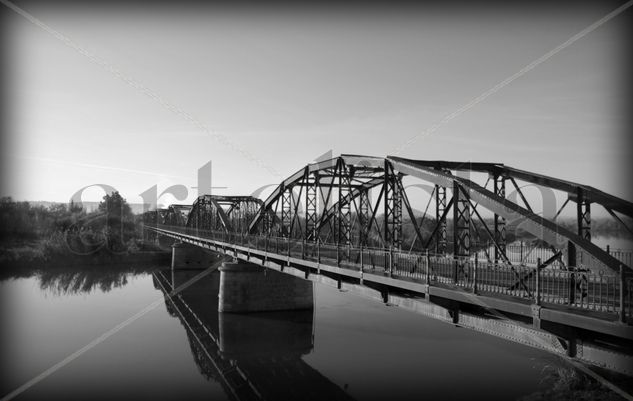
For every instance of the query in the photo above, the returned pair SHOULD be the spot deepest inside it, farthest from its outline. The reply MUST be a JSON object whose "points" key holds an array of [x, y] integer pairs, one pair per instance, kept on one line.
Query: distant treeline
{"points": [[37, 233], [22, 221]]}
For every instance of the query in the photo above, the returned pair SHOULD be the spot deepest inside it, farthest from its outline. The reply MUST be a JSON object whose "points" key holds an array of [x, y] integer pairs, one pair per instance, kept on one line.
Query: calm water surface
{"points": [[349, 348]]}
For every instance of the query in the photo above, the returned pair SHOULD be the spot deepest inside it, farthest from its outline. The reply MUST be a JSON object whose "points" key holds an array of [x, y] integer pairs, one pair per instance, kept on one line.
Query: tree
{"points": [[117, 222]]}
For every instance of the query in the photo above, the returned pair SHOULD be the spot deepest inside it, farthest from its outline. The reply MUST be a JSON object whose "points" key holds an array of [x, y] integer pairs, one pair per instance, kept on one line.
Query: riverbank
{"points": [[25, 259], [569, 384]]}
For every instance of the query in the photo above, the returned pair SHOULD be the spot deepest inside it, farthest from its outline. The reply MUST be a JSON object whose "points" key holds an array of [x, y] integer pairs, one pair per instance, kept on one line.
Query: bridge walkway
{"points": [[595, 302]]}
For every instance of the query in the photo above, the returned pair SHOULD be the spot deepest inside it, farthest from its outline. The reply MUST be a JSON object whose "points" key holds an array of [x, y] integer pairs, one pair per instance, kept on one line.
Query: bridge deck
{"points": [[596, 302]]}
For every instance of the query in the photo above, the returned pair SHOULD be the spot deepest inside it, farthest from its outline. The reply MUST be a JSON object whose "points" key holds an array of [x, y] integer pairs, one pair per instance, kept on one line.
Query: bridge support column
{"points": [[246, 287], [461, 230], [583, 212], [186, 256], [500, 221], [440, 207]]}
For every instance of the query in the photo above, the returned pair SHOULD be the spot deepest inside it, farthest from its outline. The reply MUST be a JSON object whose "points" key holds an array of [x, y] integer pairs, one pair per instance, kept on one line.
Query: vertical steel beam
{"points": [[311, 205], [393, 208], [216, 218], [500, 221], [440, 207], [234, 214], [286, 212], [583, 212], [296, 205], [267, 223], [344, 215], [461, 221], [363, 216]]}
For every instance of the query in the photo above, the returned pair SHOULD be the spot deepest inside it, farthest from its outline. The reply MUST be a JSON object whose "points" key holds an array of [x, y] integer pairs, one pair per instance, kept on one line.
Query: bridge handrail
{"points": [[576, 288]]}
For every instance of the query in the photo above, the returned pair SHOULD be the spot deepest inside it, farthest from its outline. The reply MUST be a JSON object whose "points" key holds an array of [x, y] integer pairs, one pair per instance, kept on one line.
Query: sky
{"points": [[134, 97]]}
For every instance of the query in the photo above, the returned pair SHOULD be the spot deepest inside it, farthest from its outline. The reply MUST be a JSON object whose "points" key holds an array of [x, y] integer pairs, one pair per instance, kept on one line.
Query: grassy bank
{"points": [[25, 258], [34, 238], [569, 384]]}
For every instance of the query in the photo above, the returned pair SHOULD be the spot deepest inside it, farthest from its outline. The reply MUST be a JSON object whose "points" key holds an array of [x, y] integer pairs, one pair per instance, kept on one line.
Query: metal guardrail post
{"points": [[362, 259], [622, 311], [475, 274], [572, 286], [537, 291], [303, 249], [428, 267], [338, 256]]}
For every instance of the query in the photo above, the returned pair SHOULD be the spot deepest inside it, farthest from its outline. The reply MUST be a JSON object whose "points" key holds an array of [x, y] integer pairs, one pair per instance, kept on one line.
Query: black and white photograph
{"points": [[316, 201]]}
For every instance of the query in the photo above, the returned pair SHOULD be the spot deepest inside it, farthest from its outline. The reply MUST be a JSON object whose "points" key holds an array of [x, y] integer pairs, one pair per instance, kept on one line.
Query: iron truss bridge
{"points": [[354, 217]]}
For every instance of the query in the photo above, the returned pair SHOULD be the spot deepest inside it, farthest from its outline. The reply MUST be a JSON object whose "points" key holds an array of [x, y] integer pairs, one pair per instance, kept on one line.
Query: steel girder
{"points": [[358, 197], [363, 216], [220, 212], [272, 199], [461, 221], [361, 192], [176, 215], [369, 172], [241, 211], [393, 207], [440, 212], [161, 214], [324, 179], [207, 214], [542, 228], [592, 195], [286, 212], [583, 215], [312, 180], [500, 221], [346, 180], [344, 216]]}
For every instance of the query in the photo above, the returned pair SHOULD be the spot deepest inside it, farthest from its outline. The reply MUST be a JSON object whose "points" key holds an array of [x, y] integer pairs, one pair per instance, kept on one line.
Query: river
{"points": [[353, 347]]}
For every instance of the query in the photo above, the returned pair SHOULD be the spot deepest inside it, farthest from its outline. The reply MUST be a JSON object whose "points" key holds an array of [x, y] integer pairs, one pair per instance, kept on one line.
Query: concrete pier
{"points": [[186, 256], [246, 287]]}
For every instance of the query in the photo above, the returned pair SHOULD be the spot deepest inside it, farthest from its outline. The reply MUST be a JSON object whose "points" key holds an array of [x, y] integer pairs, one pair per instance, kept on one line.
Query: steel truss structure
{"points": [[225, 213], [175, 215], [358, 201]]}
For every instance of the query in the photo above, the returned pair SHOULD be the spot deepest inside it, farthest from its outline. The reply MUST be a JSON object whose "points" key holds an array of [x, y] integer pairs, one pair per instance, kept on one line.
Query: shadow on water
{"points": [[72, 280], [253, 356], [76, 282]]}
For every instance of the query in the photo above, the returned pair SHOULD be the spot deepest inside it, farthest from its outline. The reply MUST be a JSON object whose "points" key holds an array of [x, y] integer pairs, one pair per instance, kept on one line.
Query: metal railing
{"points": [[519, 253], [576, 288], [528, 254], [623, 255]]}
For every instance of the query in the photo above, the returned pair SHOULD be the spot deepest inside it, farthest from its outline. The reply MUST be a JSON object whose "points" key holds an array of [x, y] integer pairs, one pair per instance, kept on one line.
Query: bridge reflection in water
{"points": [[253, 356]]}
